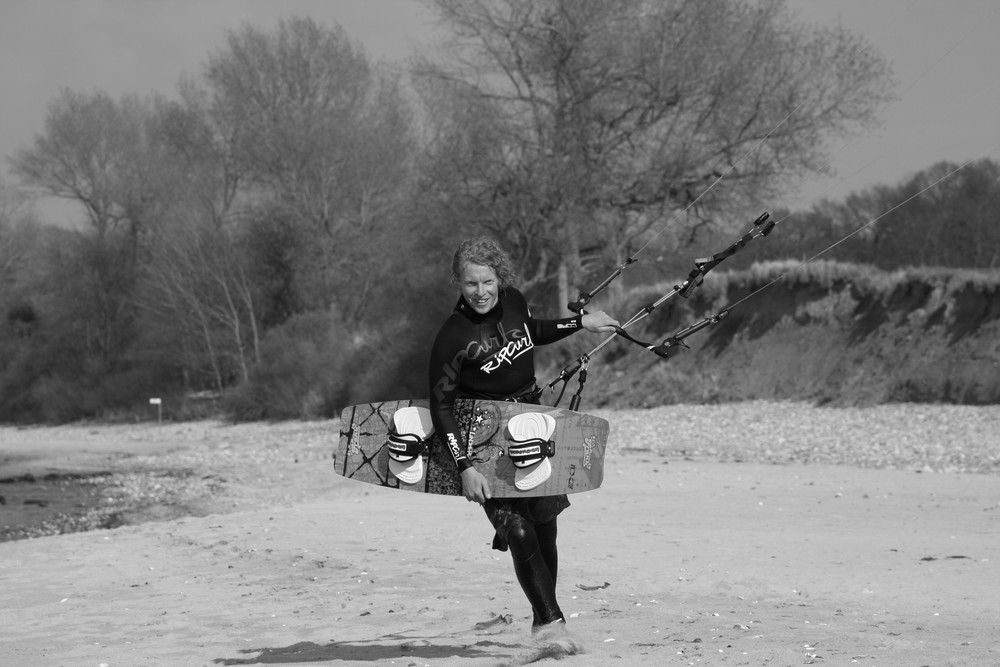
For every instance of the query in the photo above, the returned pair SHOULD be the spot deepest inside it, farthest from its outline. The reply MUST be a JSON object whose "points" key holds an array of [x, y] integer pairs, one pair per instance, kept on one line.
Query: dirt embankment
{"points": [[833, 334]]}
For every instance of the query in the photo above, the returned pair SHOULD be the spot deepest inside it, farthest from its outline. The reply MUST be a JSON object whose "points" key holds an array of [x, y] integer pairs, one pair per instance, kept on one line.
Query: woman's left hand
{"points": [[599, 322], [475, 488]]}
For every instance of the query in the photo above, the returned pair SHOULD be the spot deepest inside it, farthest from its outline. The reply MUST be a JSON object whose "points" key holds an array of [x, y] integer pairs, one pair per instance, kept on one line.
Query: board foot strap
{"points": [[531, 448], [409, 432]]}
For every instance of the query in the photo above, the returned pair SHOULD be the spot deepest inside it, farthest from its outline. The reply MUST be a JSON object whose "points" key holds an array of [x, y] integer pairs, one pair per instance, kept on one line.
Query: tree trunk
{"points": [[564, 297]]}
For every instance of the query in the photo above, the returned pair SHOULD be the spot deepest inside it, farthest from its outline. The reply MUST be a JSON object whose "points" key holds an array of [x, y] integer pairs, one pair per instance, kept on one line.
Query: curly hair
{"points": [[483, 251]]}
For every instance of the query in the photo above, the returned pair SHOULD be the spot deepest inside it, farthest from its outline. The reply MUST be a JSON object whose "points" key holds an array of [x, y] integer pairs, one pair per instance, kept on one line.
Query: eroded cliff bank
{"points": [[830, 333]]}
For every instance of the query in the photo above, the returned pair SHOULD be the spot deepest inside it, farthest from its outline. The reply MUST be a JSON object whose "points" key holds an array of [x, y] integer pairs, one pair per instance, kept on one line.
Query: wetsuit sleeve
{"points": [[445, 371], [544, 332]]}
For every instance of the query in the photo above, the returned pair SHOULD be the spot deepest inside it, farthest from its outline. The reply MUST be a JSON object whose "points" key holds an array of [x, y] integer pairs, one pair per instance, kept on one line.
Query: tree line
{"points": [[946, 215], [278, 233]]}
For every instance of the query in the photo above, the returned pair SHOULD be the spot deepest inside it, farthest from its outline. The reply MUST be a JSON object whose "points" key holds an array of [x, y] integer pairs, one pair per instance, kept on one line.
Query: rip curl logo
{"points": [[509, 352], [588, 448], [456, 450]]}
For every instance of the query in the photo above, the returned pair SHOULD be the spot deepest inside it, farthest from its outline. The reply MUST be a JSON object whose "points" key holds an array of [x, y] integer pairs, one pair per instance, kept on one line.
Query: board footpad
{"points": [[531, 436]]}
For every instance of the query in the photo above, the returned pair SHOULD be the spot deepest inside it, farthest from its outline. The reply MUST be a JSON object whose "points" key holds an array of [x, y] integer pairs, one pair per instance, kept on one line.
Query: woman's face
{"points": [[480, 287]]}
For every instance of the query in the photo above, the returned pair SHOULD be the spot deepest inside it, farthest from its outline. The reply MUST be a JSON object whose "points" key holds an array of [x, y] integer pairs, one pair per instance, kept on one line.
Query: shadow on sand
{"points": [[370, 652]]}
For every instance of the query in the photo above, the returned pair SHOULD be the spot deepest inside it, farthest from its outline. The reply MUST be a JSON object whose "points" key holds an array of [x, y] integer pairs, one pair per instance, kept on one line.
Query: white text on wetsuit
{"points": [[506, 354], [456, 449]]}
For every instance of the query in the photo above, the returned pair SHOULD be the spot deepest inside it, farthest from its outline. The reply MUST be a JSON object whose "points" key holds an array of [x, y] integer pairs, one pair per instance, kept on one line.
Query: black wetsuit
{"points": [[491, 356]]}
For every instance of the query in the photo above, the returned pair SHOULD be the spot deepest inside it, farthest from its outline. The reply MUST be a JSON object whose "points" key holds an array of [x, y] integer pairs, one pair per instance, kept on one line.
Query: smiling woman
{"points": [[486, 350], [480, 287]]}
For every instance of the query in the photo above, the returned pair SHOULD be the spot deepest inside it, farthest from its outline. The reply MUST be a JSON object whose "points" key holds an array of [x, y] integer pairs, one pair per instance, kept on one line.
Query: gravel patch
{"points": [[211, 467], [920, 437], [189, 469]]}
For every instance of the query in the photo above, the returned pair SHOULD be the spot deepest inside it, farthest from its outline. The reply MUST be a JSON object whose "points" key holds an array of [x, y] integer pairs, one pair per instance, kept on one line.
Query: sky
{"points": [[945, 55]]}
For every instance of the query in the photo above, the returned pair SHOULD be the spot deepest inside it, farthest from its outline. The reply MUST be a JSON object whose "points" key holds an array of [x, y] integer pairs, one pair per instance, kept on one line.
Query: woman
{"points": [[485, 351]]}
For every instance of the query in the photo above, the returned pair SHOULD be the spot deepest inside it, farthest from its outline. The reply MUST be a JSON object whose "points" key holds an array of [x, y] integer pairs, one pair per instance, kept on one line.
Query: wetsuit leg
{"points": [[533, 572], [546, 533]]}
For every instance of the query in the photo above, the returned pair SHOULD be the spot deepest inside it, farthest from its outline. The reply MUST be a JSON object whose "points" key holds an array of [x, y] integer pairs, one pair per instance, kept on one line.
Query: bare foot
{"points": [[552, 640]]}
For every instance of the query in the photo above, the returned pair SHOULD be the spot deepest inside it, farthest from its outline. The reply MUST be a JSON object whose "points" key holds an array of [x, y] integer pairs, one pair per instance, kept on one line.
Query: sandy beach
{"points": [[680, 558]]}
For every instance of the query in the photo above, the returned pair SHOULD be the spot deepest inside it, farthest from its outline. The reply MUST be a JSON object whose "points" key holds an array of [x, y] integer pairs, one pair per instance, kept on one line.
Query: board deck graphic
{"points": [[577, 444]]}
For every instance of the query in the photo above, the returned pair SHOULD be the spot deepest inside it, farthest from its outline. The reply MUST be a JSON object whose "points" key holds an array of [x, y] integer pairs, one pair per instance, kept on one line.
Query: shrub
{"points": [[300, 373]]}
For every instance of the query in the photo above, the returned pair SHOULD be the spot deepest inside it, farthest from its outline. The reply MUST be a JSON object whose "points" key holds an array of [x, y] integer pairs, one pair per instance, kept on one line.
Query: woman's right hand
{"points": [[475, 488], [599, 322]]}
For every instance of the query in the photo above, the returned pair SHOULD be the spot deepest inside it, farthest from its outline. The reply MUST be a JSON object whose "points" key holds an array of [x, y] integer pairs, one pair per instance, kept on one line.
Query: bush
{"points": [[387, 364], [54, 400], [300, 374]]}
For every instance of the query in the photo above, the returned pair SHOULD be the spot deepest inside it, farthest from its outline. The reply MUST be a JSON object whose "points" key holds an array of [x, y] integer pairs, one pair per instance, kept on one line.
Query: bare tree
{"points": [[19, 240], [197, 286], [204, 141], [323, 133], [109, 157], [106, 155], [594, 121], [16, 227]]}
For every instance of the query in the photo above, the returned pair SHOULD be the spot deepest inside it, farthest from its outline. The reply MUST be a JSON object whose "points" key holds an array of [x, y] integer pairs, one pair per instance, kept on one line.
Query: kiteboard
{"points": [[523, 450]]}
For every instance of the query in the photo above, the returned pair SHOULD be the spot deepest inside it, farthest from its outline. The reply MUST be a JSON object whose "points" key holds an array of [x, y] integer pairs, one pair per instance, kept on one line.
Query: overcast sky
{"points": [[946, 56]]}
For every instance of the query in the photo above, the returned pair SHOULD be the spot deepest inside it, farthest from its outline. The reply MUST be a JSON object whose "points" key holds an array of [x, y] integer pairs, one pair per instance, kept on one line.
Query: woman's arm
{"points": [[445, 372], [444, 375]]}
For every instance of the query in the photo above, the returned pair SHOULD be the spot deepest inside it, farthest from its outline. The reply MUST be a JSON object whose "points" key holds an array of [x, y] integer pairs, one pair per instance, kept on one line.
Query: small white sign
{"points": [[155, 401]]}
